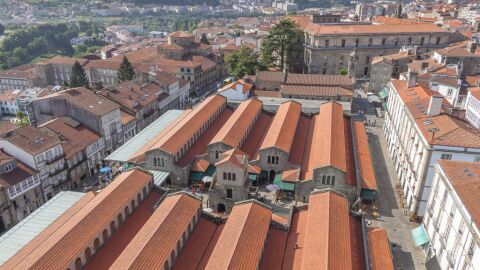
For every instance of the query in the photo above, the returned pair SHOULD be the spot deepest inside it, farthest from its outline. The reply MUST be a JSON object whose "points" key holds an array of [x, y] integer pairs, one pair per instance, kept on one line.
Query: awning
{"points": [[384, 105], [420, 236], [383, 93], [159, 177], [252, 177], [210, 170], [196, 176], [367, 194], [284, 186]]}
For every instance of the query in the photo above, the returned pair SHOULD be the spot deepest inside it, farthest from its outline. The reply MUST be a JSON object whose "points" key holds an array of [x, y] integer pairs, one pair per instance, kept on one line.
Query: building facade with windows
{"points": [[472, 107], [452, 216], [419, 134]]}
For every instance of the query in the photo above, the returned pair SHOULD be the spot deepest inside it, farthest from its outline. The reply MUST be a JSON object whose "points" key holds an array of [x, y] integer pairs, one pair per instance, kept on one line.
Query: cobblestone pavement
{"points": [[392, 215]]}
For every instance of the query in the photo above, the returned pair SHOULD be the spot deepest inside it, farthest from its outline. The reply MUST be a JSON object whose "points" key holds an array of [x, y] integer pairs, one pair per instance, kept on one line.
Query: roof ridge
{"points": [[240, 234]]}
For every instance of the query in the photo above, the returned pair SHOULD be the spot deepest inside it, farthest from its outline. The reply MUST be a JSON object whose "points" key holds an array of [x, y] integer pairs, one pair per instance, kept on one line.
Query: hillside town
{"points": [[236, 134]]}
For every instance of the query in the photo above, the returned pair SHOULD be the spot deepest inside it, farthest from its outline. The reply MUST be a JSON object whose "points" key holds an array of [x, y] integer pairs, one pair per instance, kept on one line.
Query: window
{"points": [[477, 159], [8, 167], [356, 42], [276, 160], [438, 41], [365, 71], [370, 42], [409, 41], [327, 43], [343, 42], [224, 176], [216, 154], [422, 41], [333, 180], [367, 60], [229, 176], [446, 156], [396, 41], [328, 180], [383, 41], [324, 71], [269, 160], [229, 193], [323, 179], [234, 176], [450, 92]]}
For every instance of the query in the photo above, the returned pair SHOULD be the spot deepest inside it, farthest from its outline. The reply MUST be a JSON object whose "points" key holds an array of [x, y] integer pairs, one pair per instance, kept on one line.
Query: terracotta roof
{"points": [[379, 249], [19, 173], [133, 95], [243, 239], [195, 249], [254, 169], [271, 76], [290, 175], [235, 157], [179, 135], [364, 158], [458, 50], [319, 80], [200, 165], [160, 234], [475, 92], [316, 91], [126, 118], [86, 99], [296, 241], [75, 137], [181, 34], [6, 126], [245, 86], [32, 140], [388, 20], [252, 144], [60, 60], [260, 93], [282, 130], [274, 250], [102, 64], [18, 74], [81, 229], [239, 124], [327, 244]]}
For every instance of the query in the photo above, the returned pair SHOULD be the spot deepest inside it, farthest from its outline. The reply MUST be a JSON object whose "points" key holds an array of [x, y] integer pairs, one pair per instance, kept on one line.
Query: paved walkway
{"points": [[392, 218]]}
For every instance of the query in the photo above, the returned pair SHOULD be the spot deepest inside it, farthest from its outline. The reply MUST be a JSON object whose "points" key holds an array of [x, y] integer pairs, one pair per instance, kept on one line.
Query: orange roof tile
{"points": [[254, 169], [245, 86], [364, 158], [82, 228], [211, 246], [290, 175], [379, 249], [296, 241], [239, 123], [242, 240], [200, 165], [274, 250], [234, 156], [178, 136], [282, 130], [257, 135], [160, 234], [327, 244]]}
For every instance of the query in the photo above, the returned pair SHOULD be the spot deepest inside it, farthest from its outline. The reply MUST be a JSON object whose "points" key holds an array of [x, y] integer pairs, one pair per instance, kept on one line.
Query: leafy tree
{"points": [[78, 77], [242, 62], [279, 44], [398, 11], [204, 39], [342, 71], [125, 72], [2, 29], [23, 118]]}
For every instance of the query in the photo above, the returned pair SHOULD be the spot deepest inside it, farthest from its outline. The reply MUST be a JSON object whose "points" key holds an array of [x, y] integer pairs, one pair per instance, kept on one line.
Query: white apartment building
{"points": [[419, 134], [452, 217], [472, 107], [40, 151]]}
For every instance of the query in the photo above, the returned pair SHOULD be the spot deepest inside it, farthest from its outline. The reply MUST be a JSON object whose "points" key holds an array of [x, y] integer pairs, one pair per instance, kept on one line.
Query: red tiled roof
{"points": [[105, 257], [211, 245], [282, 130], [252, 145], [239, 123], [327, 244], [81, 229], [274, 250], [316, 91], [201, 145], [152, 245], [196, 246], [290, 175], [235, 157], [295, 242], [200, 165], [254, 169], [379, 249], [179, 135], [242, 240], [245, 86], [357, 243], [364, 158]]}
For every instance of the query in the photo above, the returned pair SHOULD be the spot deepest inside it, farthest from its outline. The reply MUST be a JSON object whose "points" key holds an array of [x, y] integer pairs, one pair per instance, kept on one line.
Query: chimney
{"points": [[435, 105], [411, 79], [472, 46]]}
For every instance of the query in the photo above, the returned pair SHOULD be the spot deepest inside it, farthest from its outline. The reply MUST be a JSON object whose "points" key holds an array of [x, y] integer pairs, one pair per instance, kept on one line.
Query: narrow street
{"points": [[392, 217]]}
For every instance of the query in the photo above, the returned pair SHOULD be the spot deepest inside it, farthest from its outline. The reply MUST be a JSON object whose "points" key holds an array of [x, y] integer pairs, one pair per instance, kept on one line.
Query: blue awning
{"points": [[367, 194], [383, 93], [252, 177], [420, 236], [196, 176]]}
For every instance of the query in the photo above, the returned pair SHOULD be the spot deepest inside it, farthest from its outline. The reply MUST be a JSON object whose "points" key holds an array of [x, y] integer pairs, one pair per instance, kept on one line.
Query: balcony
{"points": [[55, 173], [55, 159]]}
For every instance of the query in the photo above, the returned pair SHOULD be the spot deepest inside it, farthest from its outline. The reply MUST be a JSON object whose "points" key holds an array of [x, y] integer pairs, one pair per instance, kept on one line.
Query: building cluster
{"points": [[129, 224]]}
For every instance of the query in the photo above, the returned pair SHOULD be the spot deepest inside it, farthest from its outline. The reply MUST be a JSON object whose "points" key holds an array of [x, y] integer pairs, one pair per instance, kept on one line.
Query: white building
{"points": [[472, 107], [419, 134], [238, 90], [452, 217]]}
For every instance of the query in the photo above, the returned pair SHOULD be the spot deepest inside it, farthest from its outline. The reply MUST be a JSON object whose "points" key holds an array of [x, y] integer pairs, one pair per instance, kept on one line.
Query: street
{"points": [[392, 217]]}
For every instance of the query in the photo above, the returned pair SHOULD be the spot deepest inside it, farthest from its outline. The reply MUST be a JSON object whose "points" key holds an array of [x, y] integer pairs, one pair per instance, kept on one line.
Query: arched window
{"points": [[268, 158], [184, 237], [276, 160], [144, 192], [323, 179], [120, 220], [105, 236], [229, 176], [127, 211], [96, 244], [224, 176], [178, 247], [172, 256], [328, 180], [139, 199], [166, 266], [234, 176], [78, 264], [113, 228], [333, 180], [88, 254], [132, 204]]}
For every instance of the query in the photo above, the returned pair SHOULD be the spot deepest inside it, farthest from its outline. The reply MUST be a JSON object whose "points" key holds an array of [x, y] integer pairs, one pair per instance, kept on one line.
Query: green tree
{"points": [[398, 11], [125, 72], [23, 118], [279, 44], [342, 71], [78, 77], [2, 29], [204, 39], [242, 62]]}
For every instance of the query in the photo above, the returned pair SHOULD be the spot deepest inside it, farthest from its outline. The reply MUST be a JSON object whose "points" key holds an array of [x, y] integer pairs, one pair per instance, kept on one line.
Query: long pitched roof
{"points": [[152, 246], [282, 130], [82, 228], [238, 124], [367, 173], [242, 240], [327, 245], [379, 249], [178, 136]]}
